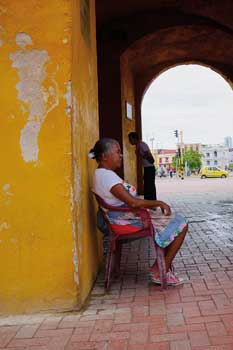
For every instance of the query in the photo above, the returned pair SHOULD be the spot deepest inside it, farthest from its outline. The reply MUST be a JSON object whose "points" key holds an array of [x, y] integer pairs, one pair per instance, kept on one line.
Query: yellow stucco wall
{"points": [[127, 94], [36, 269], [85, 131], [44, 220]]}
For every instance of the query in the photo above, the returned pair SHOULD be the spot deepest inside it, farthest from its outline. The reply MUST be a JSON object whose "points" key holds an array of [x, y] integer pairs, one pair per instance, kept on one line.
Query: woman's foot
{"points": [[172, 279], [154, 272], [154, 269], [155, 279]]}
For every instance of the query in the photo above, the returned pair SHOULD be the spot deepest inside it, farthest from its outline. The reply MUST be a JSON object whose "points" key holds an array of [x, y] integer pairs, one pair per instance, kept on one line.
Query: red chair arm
{"points": [[145, 218], [143, 213]]}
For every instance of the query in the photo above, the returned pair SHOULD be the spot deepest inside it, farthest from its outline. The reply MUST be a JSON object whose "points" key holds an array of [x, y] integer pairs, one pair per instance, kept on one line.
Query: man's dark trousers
{"points": [[149, 183]]}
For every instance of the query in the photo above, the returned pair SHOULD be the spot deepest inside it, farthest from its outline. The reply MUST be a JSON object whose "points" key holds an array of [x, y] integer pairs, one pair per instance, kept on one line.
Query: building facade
{"points": [[230, 156], [215, 155], [228, 142], [164, 158], [190, 146]]}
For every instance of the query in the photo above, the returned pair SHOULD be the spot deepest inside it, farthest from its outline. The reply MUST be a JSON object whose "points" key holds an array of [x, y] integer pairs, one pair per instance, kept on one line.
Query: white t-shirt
{"points": [[104, 180]]}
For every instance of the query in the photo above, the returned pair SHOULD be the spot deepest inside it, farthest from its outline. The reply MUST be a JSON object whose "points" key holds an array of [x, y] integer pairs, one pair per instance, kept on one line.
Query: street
{"points": [[193, 184], [135, 314]]}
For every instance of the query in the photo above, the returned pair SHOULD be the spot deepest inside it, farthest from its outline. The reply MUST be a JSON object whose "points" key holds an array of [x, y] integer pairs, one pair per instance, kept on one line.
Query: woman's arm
{"points": [[120, 192]]}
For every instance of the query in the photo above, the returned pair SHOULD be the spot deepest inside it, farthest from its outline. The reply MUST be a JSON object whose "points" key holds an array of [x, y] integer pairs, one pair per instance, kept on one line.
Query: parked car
{"points": [[212, 171]]}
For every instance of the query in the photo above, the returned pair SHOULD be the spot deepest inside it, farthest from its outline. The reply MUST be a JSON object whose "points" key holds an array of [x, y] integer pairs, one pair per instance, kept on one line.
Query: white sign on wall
{"points": [[129, 110]]}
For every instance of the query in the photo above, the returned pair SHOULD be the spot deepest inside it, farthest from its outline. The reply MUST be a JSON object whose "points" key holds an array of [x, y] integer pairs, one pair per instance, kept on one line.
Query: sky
{"points": [[189, 98]]}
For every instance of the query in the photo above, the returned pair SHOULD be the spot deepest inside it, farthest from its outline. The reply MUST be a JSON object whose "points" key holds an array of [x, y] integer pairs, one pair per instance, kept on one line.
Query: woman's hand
{"points": [[120, 192], [166, 209]]}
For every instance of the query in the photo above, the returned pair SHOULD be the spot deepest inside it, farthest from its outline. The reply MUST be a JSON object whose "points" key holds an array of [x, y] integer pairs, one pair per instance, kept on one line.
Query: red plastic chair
{"points": [[117, 237]]}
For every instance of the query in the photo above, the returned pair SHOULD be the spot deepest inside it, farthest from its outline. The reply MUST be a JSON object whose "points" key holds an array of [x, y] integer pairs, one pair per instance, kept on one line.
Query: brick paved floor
{"points": [[137, 315]]}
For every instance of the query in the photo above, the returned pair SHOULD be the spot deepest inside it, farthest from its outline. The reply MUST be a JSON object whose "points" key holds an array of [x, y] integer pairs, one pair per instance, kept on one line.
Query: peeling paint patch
{"points": [[75, 255], [71, 198], [23, 109], [23, 39], [77, 195], [65, 41], [7, 193], [14, 240], [3, 10], [2, 34], [32, 73], [77, 181], [6, 190], [28, 141], [68, 97], [75, 262], [4, 226]]}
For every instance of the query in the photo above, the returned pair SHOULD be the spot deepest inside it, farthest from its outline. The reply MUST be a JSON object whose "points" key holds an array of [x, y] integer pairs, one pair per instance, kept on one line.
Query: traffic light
{"points": [[176, 133]]}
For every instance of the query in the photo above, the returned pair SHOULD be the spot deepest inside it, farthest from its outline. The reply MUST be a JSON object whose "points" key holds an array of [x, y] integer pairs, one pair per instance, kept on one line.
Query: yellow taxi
{"points": [[212, 171]]}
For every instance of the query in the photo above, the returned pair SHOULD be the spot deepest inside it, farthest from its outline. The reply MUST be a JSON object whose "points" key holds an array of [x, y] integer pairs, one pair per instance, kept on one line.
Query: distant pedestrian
{"points": [[162, 172], [144, 153], [171, 173]]}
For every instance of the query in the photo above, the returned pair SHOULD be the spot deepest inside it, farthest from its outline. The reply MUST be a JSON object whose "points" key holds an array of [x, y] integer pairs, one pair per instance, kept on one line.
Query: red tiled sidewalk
{"points": [[137, 315]]}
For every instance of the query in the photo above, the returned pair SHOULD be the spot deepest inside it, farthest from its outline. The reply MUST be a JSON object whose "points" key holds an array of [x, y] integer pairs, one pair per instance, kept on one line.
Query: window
{"points": [[160, 160], [166, 160], [215, 153], [207, 154], [215, 163], [208, 162]]}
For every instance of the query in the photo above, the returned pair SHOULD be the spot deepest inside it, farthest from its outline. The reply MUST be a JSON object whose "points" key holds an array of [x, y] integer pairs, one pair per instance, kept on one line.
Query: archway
{"points": [[177, 81], [193, 99], [148, 57]]}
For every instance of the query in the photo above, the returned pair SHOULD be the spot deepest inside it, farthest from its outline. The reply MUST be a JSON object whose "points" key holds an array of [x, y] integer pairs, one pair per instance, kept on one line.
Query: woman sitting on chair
{"points": [[169, 230]]}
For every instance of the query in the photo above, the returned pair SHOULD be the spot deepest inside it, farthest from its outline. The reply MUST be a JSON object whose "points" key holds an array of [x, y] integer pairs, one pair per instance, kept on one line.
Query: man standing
{"points": [[144, 153]]}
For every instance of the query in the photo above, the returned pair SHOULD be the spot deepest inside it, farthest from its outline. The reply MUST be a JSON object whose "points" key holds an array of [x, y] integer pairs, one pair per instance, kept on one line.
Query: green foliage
{"points": [[193, 159], [230, 166], [177, 161], [174, 162]]}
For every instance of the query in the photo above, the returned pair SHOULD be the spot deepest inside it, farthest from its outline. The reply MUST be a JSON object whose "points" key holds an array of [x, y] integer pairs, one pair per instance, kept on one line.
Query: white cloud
{"points": [[191, 98]]}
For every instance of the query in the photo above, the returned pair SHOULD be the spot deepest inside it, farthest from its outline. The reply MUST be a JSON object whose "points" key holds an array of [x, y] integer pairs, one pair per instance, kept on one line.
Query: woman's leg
{"points": [[170, 252], [173, 248]]}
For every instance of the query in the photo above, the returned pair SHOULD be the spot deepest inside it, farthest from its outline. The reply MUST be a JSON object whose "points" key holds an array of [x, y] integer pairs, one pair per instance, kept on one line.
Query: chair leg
{"points": [[109, 263], [162, 266], [117, 260], [108, 271]]}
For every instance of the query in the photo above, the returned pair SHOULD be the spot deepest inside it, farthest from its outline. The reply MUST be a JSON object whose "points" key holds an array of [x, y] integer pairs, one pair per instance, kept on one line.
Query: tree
{"points": [[174, 161], [193, 159]]}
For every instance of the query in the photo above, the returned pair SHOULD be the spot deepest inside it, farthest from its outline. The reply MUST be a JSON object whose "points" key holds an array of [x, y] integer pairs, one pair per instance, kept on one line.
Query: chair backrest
{"points": [[142, 213]]}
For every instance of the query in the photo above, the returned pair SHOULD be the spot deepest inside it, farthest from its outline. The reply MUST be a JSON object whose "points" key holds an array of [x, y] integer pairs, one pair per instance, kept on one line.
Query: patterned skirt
{"points": [[166, 228]]}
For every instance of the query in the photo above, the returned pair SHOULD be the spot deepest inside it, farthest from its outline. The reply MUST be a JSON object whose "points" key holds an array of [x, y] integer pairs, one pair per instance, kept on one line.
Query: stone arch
{"points": [[153, 54], [157, 52], [216, 70]]}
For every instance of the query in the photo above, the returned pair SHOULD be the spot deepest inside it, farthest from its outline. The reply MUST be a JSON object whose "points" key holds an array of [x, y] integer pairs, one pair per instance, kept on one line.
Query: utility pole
{"points": [[152, 143], [181, 144], [176, 134], [180, 153], [181, 156]]}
